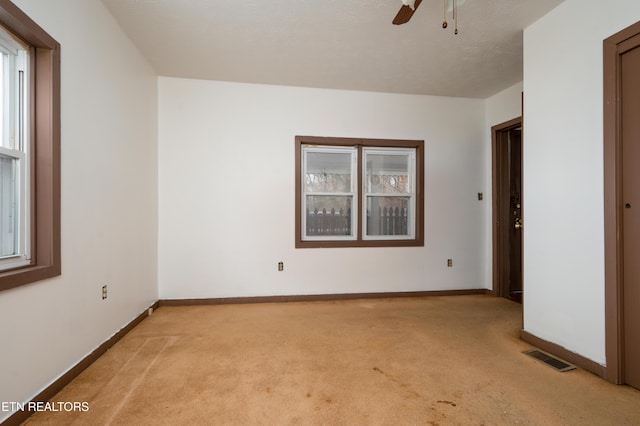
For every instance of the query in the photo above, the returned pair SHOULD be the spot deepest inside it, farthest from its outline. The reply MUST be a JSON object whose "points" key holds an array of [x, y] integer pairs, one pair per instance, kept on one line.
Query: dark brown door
{"points": [[515, 210], [507, 209], [630, 98]]}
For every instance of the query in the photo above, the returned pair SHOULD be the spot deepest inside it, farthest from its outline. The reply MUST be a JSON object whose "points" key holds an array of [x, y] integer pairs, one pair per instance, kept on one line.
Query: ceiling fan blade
{"points": [[405, 13]]}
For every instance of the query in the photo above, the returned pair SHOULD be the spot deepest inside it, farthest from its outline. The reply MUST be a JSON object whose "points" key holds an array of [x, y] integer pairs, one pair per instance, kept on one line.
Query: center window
{"points": [[358, 192]]}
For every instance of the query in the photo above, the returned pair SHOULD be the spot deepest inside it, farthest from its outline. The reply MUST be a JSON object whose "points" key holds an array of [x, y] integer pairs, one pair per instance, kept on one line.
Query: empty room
{"points": [[319, 212]]}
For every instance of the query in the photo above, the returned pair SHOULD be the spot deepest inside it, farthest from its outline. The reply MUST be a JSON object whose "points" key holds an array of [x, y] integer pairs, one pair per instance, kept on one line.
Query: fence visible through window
{"points": [[323, 222], [388, 221]]}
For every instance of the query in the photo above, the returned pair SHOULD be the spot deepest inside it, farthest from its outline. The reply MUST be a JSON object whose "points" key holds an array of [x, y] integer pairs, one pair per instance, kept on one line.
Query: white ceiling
{"points": [[339, 44]]}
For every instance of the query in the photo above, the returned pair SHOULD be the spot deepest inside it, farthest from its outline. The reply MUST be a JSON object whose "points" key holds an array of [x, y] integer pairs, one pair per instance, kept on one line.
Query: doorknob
{"points": [[518, 223]]}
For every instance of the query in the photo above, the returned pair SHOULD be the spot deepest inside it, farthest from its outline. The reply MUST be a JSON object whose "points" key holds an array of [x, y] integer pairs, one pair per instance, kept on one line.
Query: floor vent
{"points": [[551, 361]]}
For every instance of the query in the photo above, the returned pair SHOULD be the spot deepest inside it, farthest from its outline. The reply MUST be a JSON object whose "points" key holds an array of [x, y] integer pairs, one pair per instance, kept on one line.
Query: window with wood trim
{"points": [[29, 150], [359, 192]]}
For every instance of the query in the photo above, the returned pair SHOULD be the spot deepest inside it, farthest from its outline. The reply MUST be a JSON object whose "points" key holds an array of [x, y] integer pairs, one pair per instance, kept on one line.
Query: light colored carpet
{"points": [[424, 361]]}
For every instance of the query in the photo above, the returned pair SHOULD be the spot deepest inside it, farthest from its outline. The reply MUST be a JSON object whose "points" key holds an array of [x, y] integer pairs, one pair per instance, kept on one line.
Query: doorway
{"points": [[507, 209], [622, 205]]}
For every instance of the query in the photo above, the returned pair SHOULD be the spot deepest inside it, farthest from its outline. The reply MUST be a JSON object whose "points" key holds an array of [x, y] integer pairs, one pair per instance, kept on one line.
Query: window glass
{"points": [[328, 215], [8, 206], [14, 247], [388, 216], [390, 179], [387, 173], [329, 180], [328, 171]]}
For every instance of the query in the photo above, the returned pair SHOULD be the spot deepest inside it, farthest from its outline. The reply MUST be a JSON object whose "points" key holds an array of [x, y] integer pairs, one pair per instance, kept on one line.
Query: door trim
{"points": [[613, 48], [495, 197]]}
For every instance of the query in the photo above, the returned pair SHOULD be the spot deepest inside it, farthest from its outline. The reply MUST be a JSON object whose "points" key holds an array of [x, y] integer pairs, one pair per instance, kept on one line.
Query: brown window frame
{"points": [[417, 241], [44, 124]]}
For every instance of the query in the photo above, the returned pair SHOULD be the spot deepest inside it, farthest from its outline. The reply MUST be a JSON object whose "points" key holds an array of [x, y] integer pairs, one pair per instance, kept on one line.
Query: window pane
{"points": [[8, 206], [328, 172], [3, 103], [387, 174], [388, 215], [328, 215], [29, 204]]}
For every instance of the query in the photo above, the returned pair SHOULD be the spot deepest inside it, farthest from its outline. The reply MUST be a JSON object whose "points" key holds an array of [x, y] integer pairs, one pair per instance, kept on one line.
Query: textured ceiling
{"points": [[339, 44]]}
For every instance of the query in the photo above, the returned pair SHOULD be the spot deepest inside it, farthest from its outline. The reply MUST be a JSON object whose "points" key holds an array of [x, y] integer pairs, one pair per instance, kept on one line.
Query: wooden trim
{"points": [[613, 47], [360, 243], [51, 390], [19, 23], [337, 141], [420, 194], [612, 244], [45, 148], [418, 241], [359, 192], [318, 297], [561, 352], [298, 188]]}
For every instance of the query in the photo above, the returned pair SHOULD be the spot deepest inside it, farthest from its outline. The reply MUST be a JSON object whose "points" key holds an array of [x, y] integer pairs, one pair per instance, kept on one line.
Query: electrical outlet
{"points": [[480, 196], [104, 292], [280, 266], [449, 263]]}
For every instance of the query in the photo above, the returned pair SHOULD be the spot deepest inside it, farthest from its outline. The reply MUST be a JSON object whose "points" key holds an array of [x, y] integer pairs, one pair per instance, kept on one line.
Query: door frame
{"points": [[613, 48], [497, 246]]}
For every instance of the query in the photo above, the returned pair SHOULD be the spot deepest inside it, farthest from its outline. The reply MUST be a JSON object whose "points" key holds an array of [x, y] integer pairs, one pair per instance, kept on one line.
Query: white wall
{"points": [[501, 107], [109, 203], [504, 106], [563, 172], [226, 179]]}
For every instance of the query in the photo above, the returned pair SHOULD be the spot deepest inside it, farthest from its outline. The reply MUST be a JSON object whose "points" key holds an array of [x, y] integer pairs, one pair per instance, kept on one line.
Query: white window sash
{"points": [[15, 113], [411, 194], [353, 194], [21, 257]]}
